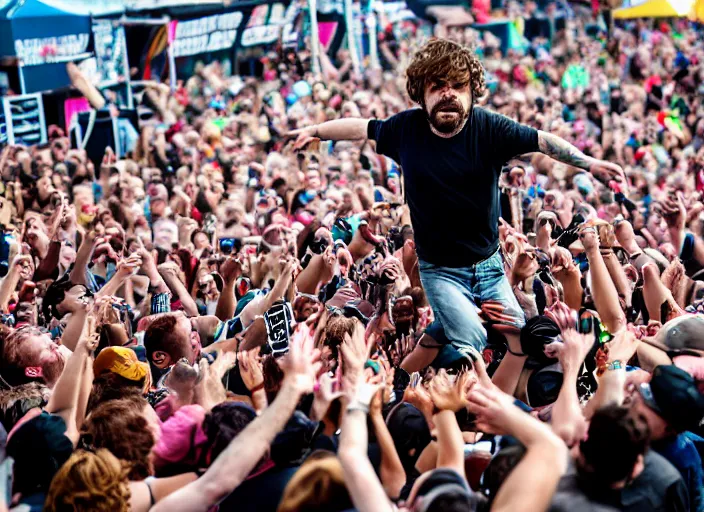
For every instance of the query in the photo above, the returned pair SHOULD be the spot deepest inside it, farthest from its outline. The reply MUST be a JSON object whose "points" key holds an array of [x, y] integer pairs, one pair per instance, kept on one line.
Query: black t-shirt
{"points": [[452, 184], [261, 493], [658, 487]]}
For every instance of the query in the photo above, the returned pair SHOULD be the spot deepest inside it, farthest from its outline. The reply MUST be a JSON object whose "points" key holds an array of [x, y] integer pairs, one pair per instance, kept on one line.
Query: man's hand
{"points": [[251, 368], [419, 398], [589, 238], [354, 354], [326, 392], [446, 395], [562, 315], [89, 339], [493, 409], [607, 172], [302, 362], [129, 266], [303, 136], [622, 347], [231, 269], [524, 266], [674, 211], [625, 236], [575, 347]]}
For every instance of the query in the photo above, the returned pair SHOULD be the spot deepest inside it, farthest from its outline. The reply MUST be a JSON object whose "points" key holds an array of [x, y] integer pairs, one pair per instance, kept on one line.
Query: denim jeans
{"points": [[456, 294]]}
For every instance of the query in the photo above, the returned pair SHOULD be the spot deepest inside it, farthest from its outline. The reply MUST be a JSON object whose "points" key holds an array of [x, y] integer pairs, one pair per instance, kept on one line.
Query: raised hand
{"points": [[674, 211], [302, 363], [251, 369], [130, 265], [419, 398], [562, 315], [231, 269], [326, 391], [575, 347], [524, 266], [493, 409], [623, 346], [354, 353], [589, 238], [448, 395], [90, 337]]}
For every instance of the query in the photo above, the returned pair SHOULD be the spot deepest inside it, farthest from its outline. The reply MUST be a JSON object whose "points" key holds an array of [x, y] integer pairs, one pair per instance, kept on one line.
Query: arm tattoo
{"points": [[562, 151]]}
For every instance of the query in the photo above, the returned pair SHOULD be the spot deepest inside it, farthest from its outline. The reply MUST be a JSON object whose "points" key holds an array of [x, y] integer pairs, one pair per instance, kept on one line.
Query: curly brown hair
{"points": [[120, 426], [89, 481], [440, 60]]}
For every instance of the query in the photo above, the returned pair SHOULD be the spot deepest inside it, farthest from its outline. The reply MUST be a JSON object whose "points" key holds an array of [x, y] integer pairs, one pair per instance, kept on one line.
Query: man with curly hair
{"points": [[451, 153]]}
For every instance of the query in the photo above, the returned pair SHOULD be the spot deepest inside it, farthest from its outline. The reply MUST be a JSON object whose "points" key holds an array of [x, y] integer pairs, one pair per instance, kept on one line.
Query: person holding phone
{"points": [[452, 153]]}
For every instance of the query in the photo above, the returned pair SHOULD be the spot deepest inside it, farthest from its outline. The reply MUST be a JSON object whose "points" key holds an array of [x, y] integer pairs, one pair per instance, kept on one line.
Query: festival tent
{"points": [[40, 36], [655, 9]]}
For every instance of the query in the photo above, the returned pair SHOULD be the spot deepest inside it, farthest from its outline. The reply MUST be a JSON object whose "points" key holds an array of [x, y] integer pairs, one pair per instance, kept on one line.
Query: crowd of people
{"points": [[450, 311]]}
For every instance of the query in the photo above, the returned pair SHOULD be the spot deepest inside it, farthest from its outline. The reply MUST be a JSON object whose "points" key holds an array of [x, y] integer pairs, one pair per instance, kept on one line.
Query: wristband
{"points": [[614, 365], [365, 394], [518, 354], [258, 387], [357, 406]]}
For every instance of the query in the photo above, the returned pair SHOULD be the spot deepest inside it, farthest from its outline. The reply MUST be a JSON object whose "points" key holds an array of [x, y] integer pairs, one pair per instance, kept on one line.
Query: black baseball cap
{"points": [[673, 394], [538, 332]]}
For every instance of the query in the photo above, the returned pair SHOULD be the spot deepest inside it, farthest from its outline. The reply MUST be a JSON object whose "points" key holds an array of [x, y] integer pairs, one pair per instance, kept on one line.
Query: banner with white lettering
{"points": [[207, 34], [48, 50], [264, 25]]}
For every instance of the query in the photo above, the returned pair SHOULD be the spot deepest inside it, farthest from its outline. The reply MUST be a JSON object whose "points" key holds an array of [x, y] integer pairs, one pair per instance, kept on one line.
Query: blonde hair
{"points": [[89, 482], [318, 485]]}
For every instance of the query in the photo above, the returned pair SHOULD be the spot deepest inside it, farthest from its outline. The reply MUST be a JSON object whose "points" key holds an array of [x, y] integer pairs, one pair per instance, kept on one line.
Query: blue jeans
{"points": [[456, 294]]}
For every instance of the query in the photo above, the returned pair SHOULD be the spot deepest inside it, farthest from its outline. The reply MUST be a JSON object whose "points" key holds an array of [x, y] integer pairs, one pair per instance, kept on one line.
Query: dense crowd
{"points": [[234, 314]]}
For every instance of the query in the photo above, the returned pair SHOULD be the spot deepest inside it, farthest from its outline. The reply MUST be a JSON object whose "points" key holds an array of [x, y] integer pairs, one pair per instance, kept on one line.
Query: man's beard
{"points": [[52, 370], [447, 125]]}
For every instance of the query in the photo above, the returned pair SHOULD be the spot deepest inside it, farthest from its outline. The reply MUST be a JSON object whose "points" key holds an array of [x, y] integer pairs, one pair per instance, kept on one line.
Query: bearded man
{"points": [[451, 153]]}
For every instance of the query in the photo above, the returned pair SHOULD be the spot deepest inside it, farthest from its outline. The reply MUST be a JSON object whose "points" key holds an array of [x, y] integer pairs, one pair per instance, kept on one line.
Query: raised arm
{"points": [[233, 465], [393, 476], [227, 303], [603, 288], [562, 151], [533, 481], [365, 489], [169, 273], [448, 398], [64, 401], [567, 419]]}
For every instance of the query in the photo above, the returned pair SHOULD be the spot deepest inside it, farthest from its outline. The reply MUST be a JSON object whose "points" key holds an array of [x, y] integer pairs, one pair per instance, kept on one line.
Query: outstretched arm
{"points": [[562, 151], [339, 129]]}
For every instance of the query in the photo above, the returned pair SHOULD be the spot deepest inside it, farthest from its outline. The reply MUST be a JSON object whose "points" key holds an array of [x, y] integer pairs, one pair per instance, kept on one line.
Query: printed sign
{"points": [[46, 50], [261, 30], [278, 321], [207, 34], [110, 52]]}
